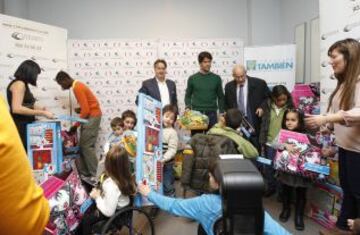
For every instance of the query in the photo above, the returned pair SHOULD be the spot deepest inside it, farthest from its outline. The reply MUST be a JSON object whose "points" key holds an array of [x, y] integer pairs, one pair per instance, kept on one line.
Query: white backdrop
{"points": [[339, 19], [275, 64], [115, 69], [21, 40]]}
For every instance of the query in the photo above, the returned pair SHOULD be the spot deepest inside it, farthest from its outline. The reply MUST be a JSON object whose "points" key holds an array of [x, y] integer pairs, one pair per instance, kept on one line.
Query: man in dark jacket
{"points": [[248, 94], [160, 88]]}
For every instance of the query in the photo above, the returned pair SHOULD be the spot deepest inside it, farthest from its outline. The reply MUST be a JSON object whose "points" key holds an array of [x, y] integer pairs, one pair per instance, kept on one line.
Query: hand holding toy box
{"points": [[306, 161]]}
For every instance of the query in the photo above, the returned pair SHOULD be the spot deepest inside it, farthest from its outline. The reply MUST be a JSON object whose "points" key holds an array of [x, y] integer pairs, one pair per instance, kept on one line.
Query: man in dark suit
{"points": [[248, 94], [159, 87]]}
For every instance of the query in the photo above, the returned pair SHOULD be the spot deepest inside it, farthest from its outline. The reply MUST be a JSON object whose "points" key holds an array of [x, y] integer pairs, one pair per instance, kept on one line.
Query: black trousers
{"points": [[21, 127], [349, 174]]}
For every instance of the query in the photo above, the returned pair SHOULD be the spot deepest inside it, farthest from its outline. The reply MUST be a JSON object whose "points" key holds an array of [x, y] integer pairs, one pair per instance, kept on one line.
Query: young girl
{"points": [[205, 209], [170, 144], [116, 185], [129, 118], [293, 121], [272, 118]]}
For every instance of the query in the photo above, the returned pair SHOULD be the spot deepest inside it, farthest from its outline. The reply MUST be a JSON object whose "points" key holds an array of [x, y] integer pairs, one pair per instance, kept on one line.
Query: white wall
{"points": [[295, 12], [264, 22], [257, 22], [2, 6], [96, 19]]}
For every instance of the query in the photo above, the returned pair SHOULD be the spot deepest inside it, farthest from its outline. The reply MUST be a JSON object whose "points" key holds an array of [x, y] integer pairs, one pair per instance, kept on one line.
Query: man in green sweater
{"points": [[204, 90]]}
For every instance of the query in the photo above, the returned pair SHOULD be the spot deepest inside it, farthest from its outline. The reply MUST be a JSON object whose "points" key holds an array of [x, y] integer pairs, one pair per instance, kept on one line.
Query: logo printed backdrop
{"points": [[339, 19], [274, 64], [181, 56], [46, 45], [115, 69]]}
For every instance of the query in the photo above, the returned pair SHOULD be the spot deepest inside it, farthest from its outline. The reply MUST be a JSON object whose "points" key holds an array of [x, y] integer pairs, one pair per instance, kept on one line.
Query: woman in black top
{"points": [[21, 100]]}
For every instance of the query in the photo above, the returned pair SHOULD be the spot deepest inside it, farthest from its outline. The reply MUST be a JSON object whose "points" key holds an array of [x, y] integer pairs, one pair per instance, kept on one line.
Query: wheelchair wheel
{"points": [[129, 221]]}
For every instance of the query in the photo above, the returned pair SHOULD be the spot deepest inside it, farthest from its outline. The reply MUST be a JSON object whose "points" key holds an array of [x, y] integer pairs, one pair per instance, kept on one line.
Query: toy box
{"points": [[325, 202], [149, 145], [68, 202], [307, 162], [305, 99], [44, 146]]}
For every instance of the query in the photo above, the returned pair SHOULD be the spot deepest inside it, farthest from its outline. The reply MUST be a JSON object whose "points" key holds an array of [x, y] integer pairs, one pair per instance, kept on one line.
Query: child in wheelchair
{"points": [[115, 188], [205, 209]]}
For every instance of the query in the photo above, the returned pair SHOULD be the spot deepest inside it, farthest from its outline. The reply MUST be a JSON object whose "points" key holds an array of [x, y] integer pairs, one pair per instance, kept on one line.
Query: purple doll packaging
{"points": [[68, 201], [306, 161]]}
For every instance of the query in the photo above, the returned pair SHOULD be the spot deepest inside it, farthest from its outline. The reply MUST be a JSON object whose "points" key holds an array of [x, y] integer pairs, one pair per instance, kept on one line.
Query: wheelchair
{"points": [[129, 220], [123, 222], [218, 228]]}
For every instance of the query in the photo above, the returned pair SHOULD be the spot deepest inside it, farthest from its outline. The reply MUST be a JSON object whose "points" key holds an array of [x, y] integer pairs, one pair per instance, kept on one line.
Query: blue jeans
{"points": [[212, 115], [169, 179]]}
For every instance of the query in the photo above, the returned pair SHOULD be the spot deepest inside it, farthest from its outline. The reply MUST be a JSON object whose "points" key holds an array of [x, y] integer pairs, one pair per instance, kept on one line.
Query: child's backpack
{"points": [[205, 149]]}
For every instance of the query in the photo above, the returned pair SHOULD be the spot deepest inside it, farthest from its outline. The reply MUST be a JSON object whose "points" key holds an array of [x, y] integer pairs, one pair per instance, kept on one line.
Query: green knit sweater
{"points": [[244, 146], [204, 92]]}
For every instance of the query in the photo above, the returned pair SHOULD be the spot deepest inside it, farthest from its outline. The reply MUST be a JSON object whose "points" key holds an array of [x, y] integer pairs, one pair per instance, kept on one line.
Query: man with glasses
{"points": [[248, 94]]}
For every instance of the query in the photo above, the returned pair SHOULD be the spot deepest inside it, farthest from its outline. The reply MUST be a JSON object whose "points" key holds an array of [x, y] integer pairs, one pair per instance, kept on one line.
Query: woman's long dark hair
{"points": [[350, 49], [301, 117], [279, 90], [117, 167], [28, 72]]}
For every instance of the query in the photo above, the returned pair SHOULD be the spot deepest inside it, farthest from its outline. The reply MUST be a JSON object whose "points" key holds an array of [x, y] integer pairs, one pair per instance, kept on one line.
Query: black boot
{"points": [[286, 201], [300, 208]]}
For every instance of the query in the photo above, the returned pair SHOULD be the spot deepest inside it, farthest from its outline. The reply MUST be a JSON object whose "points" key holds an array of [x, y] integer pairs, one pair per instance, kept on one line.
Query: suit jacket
{"points": [[258, 92], [150, 87]]}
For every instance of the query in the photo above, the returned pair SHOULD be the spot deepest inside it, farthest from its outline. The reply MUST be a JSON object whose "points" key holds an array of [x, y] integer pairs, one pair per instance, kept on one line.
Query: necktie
{"points": [[241, 105]]}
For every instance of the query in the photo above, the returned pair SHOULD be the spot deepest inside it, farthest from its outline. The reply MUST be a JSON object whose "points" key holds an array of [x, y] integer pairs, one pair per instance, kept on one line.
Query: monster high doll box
{"points": [[68, 201], [44, 146], [306, 99], [305, 161]]}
